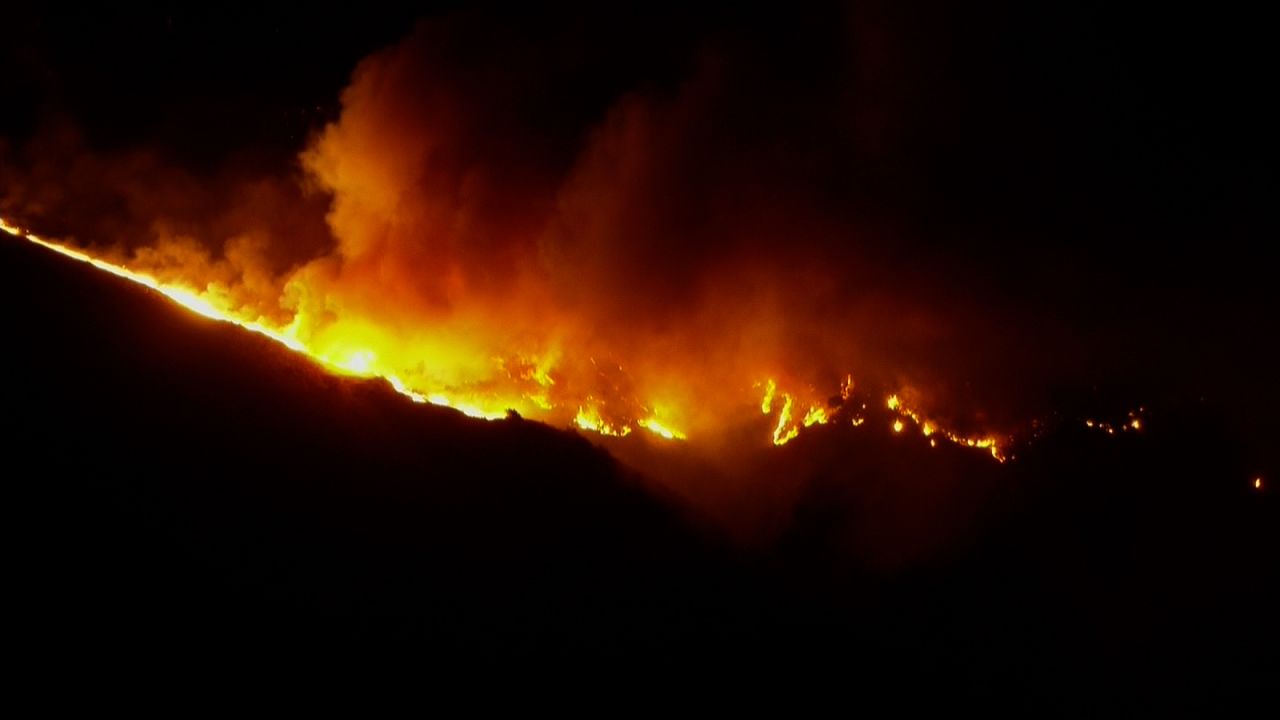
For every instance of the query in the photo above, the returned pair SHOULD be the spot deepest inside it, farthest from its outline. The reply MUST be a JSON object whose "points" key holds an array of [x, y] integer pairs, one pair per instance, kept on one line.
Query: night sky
{"points": [[1033, 212]]}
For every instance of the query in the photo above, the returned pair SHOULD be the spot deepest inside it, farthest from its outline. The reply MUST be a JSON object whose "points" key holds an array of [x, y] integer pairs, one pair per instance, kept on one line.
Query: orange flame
{"points": [[353, 352]]}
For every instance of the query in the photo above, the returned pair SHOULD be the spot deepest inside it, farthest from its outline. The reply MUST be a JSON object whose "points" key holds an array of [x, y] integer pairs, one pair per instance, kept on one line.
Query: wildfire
{"points": [[1132, 423], [589, 418], [931, 429], [356, 361], [618, 416]]}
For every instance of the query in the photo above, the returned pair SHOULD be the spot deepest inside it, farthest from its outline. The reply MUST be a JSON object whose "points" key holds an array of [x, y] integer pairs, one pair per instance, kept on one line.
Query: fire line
{"points": [[791, 416]]}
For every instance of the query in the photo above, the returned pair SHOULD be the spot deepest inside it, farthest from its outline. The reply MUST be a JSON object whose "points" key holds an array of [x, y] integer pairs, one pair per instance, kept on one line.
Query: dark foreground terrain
{"points": [[184, 494]]}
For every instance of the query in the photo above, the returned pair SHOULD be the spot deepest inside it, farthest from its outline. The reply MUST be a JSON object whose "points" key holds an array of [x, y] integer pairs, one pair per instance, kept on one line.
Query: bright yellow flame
{"points": [[658, 428], [815, 416], [1257, 483], [355, 354], [784, 431], [359, 362], [786, 428], [1135, 424], [929, 428], [186, 297], [766, 405], [589, 418]]}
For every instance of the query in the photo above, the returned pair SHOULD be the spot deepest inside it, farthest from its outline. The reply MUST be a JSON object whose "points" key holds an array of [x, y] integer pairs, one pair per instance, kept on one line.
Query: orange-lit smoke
{"points": [[643, 275]]}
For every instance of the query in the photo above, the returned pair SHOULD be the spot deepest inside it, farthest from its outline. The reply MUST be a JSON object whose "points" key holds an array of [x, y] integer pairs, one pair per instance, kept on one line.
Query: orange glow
{"points": [[931, 429], [659, 429], [815, 416], [766, 405], [535, 385], [588, 418], [1134, 423], [785, 431], [1257, 483]]}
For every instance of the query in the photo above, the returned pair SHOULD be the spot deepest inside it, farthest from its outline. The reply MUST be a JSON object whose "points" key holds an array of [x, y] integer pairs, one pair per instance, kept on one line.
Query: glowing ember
{"points": [[1257, 483], [897, 426], [1134, 423]]}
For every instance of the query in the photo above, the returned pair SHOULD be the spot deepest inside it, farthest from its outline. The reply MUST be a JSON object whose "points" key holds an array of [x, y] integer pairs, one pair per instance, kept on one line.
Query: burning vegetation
{"points": [[530, 390], [672, 259], [633, 272]]}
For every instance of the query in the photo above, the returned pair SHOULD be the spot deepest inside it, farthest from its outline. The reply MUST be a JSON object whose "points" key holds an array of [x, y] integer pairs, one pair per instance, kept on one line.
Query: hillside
{"points": [[188, 490]]}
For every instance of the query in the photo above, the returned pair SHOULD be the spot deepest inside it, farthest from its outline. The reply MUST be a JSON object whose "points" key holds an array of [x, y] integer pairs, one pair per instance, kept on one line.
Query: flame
{"points": [[1134, 423], [351, 358], [785, 430], [766, 404], [1257, 483], [537, 392], [815, 416], [931, 429], [657, 428], [589, 418]]}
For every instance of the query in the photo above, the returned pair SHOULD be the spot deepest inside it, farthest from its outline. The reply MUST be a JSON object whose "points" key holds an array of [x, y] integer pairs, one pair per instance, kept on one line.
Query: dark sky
{"points": [[1085, 191], [1102, 175]]}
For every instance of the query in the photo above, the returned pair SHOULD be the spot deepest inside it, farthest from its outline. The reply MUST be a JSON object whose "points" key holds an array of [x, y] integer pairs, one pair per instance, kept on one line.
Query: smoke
{"points": [[692, 238], [597, 218]]}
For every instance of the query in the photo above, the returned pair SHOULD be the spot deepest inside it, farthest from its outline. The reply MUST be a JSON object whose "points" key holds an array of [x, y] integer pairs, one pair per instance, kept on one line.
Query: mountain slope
{"points": [[191, 492]]}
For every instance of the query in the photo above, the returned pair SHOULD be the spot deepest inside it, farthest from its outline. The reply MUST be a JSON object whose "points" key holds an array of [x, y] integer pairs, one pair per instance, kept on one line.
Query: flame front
{"points": [[531, 386]]}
